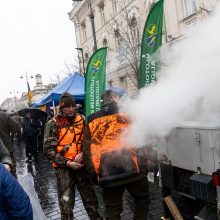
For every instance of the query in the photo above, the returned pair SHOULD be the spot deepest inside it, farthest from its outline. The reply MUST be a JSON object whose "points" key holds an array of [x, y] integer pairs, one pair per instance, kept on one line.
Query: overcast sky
{"points": [[36, 37]]}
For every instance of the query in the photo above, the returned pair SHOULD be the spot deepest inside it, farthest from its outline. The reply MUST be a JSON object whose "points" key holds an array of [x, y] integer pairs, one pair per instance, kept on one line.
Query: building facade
{"points": [[10, 104], [115, 20]]}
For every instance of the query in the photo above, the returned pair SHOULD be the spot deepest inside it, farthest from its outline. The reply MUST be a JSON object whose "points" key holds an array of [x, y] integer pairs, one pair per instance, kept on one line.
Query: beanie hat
{"points": [[67, 100]]}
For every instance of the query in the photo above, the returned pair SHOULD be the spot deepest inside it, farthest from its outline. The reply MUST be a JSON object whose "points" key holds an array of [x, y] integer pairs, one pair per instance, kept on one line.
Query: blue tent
{"points": [[73, 84]]}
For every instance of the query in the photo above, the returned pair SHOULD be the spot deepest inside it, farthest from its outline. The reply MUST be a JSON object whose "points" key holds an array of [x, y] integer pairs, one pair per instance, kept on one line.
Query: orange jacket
{"points": [[110, 158], [70, 137]]}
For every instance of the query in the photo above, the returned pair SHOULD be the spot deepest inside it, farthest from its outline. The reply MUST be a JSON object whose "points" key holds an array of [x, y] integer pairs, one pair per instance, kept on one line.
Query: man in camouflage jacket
{"points": [[63, 147]]}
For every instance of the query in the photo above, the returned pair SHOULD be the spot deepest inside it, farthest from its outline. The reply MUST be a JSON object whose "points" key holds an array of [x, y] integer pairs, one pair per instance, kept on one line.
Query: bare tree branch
{"points": [[127, 31]]}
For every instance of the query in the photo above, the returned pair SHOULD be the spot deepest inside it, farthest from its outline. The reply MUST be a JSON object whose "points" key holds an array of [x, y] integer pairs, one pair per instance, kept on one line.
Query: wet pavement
{"points": [[46, 188]]}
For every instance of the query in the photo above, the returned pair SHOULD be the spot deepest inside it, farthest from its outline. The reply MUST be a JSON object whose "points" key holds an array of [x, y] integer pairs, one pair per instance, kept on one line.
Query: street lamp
{"points": [[21, 77], [83, 60], [91, 15], [28, 87]]}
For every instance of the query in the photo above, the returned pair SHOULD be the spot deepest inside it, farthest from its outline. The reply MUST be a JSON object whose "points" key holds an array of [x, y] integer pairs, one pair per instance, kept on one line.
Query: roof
{"points": [[73, 84]]}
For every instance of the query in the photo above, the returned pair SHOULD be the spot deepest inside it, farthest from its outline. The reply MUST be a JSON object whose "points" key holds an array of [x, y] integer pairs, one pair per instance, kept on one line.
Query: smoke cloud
{"points": [[188, 89]]}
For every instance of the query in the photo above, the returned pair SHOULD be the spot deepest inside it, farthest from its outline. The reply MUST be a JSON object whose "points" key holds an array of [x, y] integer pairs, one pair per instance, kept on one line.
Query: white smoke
{"points": [[188, 89]]}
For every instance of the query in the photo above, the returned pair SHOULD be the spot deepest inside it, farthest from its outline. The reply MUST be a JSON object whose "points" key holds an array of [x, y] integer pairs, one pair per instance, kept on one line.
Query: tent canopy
{"points": [[73, 84]]}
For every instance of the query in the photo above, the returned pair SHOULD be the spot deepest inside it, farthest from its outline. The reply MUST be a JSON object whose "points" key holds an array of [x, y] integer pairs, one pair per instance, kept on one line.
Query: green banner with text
{"points": [[151, 41], [95, 81]]}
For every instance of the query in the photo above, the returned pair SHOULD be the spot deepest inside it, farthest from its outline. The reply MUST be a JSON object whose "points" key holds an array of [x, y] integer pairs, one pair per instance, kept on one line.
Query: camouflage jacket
{"points": [[51, 141]]}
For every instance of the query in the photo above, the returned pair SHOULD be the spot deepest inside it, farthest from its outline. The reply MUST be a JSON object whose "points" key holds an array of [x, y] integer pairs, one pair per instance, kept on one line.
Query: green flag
{"points": [[95, 81], [151, 41]]}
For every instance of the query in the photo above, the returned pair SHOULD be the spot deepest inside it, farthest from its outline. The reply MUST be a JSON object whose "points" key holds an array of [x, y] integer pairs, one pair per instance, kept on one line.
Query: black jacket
{"points": [[30, 127]]}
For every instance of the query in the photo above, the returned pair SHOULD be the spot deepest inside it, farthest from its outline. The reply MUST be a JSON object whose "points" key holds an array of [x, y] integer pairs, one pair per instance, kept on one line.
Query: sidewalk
{"points": [[46, 188]]}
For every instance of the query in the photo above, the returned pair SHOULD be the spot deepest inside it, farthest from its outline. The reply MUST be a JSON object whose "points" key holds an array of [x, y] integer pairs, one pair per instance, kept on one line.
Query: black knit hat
{"points": [[67, 100]]}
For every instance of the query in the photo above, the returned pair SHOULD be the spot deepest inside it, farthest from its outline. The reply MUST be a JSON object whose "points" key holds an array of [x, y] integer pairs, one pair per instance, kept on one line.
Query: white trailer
{"points": [[189, 160]]}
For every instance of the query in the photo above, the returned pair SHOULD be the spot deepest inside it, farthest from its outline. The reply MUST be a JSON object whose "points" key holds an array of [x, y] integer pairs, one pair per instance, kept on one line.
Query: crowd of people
{"points": [[14, 201], [85, 153]]}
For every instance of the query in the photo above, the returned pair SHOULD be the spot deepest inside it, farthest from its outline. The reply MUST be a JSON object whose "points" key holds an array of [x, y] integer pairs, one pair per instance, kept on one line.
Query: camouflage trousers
{"points": [[67, 180], [139, 190]]}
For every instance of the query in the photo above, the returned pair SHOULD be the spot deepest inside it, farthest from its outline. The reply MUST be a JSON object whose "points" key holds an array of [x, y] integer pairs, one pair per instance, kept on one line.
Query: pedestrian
{"points": [[79, 108], [63, 139], [51, 113], [9, 126], [114, 165], [42, 122], [14, 201], [30, 134], [5, 157], [17, 135]]}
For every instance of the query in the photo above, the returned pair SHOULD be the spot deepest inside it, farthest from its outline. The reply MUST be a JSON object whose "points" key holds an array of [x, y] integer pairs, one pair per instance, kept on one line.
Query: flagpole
{"points": [[165, 27], [28, 87]]}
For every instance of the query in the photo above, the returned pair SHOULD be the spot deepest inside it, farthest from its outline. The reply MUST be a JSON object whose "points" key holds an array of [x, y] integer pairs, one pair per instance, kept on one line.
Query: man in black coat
{"points": [[30, 134]]}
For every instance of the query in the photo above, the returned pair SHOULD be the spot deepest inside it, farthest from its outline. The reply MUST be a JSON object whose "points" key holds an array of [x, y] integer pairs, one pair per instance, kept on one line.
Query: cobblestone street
{"points": [[45, 186]]}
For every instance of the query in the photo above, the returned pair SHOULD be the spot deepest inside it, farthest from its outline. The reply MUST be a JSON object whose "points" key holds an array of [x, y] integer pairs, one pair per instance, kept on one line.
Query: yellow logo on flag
{"points": [[96, 66], [152, 35]]}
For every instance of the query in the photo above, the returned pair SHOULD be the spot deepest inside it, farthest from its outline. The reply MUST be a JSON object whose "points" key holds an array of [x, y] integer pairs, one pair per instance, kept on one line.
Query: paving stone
{"points": [[46, 188]]}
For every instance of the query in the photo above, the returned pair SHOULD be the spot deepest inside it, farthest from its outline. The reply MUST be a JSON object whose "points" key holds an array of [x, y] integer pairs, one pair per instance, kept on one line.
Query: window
{"points": [[105, 42], [119, 42], [86, 57], [133, 22], [116, 6], [134, 26], [117, 32], [110, 83], [121, 47], [123, 82], [83, 25], [102, 12], [190, 6]]}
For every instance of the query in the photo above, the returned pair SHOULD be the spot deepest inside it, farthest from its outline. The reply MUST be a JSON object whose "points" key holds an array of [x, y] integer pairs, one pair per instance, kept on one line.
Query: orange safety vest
{"points": [[70, 137], [106, 141]]}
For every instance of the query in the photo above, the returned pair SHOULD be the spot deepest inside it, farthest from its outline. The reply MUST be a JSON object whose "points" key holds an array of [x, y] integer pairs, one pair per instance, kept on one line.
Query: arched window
{"points": [[116, 6], [102, 12], [134, 26], [119, 41], [83, 26], [123, 82], [133, 22], [133, 16], [117, 32], [105, 42], [86, 57]]}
